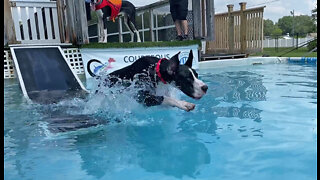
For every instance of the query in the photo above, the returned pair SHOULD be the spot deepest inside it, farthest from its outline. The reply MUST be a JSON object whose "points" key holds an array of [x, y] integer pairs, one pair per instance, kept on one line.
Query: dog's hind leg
{"points": [[135, 30], [126, 21], [148, 99]]}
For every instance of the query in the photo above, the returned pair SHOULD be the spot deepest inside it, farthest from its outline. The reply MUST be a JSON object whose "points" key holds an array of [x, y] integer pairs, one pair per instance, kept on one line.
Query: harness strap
{"points": [[115, 6]]}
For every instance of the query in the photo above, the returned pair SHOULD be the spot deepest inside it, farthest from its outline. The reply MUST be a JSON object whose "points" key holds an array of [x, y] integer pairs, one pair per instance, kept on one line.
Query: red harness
{"points": [[115, 7], [158, 70]]}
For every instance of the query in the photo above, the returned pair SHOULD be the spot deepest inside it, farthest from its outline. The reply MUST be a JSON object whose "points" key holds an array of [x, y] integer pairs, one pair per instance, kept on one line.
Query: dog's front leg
{"points": [[179, 104]]}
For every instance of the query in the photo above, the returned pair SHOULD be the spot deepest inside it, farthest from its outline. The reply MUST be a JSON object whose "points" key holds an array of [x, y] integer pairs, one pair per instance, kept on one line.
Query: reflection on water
{"points": [[244, 112], [149, 147]]}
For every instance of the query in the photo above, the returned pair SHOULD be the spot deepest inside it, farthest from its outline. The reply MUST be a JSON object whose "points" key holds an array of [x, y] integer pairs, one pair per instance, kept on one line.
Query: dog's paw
{"points": [[187, 106]]}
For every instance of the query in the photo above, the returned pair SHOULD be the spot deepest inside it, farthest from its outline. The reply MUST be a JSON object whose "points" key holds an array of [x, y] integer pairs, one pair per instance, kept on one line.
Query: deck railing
{"points": [[238, 31], [153, 21]]}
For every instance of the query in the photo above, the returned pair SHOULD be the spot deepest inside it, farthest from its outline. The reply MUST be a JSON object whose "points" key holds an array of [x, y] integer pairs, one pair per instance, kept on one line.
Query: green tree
{"points": [[314, 13], [303, 24], [285, 24], [276, 32], [268, 27]]}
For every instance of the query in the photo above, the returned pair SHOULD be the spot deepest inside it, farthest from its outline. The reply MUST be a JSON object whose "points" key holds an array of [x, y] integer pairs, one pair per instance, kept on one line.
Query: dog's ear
{"points": [[173, 64], [189, 61]]}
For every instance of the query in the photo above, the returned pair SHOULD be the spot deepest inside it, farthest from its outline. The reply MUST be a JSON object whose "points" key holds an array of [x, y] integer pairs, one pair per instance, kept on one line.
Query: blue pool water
{"points": [[255, 122]]}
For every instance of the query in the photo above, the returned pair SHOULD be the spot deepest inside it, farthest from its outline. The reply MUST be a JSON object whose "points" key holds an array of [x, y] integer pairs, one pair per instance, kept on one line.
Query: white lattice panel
{"points": [[9, 71], [74, 59]]}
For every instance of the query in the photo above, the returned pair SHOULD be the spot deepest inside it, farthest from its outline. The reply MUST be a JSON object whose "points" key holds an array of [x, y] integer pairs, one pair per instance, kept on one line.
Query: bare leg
{"points": [[178, 27], [184, 25]]}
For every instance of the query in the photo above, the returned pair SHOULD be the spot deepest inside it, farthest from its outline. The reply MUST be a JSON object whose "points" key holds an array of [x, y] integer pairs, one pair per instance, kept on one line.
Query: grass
{"points": [[142, 44], [301, 52]]}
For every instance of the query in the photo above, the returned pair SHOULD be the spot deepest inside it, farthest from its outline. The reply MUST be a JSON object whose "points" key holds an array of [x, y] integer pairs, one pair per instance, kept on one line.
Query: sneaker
{"points": [[179, 38], [185, 37]]}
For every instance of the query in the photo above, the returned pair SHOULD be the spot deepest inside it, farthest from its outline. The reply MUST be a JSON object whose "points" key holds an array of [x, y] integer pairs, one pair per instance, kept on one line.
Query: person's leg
{"points": [[184, 25], [178, 27], [182, 16], [174, 12]]}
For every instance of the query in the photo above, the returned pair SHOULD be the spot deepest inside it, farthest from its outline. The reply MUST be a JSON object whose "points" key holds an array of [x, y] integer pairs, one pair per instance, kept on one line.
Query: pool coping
{"points": [[251, 61]]}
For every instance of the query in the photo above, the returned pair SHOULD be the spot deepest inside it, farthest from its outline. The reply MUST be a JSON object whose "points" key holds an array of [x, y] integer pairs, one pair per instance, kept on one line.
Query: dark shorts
{"points": [[179, 9]]}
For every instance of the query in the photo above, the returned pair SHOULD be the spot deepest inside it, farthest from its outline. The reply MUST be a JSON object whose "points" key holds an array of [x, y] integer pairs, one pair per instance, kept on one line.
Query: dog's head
{"points": [[185, 78]]}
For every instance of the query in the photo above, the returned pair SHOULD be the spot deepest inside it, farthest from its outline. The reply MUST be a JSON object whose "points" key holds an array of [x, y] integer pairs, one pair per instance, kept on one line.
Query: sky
{"points": [[274, 10]]}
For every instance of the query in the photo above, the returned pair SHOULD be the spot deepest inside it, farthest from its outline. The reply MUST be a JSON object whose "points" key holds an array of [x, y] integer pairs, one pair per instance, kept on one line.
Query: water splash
{"points": [[104, 105]]}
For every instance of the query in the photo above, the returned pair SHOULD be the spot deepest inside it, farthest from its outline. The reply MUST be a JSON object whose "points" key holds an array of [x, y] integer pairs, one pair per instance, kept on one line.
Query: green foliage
{"points": [[276, 32], [302, 24], [314, 14], [285, 24], [268, 27], [312, 45]]}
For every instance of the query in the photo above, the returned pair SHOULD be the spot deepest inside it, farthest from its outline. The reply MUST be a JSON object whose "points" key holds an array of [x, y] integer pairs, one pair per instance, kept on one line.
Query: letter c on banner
{"points": [[124, 59]]}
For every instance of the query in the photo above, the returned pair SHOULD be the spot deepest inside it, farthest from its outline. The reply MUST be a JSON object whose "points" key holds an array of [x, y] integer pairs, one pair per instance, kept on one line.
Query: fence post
{"points": [[61, 20], [197, 22], [210, 20], [82, 33], [151, 25], [230, 28], [9, 31], [120, 30], [243, 28], [77, 25]]}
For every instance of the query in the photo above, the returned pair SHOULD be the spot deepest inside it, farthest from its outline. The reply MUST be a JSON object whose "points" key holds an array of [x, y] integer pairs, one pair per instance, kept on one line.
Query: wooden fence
{"points": [[238, 31], [47, 22], [35, 22]]}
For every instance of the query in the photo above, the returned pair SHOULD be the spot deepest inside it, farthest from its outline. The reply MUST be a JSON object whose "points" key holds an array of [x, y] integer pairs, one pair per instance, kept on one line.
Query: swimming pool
{"points": [[255, 122]]}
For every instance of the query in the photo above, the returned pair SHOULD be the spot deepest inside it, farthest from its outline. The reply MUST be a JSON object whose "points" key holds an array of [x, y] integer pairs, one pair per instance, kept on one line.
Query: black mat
{"points": [[46, 74]]}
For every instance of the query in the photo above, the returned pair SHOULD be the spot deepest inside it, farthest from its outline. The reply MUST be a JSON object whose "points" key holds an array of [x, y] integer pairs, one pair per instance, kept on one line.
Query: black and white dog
{"points": [[152, 71], [127, 10]]}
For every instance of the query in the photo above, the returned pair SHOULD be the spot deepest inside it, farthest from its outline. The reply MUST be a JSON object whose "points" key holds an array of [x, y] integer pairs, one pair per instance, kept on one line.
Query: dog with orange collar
{"points": [[151, 72]]}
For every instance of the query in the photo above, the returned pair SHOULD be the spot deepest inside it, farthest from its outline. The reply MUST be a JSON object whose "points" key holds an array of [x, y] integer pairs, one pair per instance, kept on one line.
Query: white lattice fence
{"points": [[9, 71], [73, 57]]}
